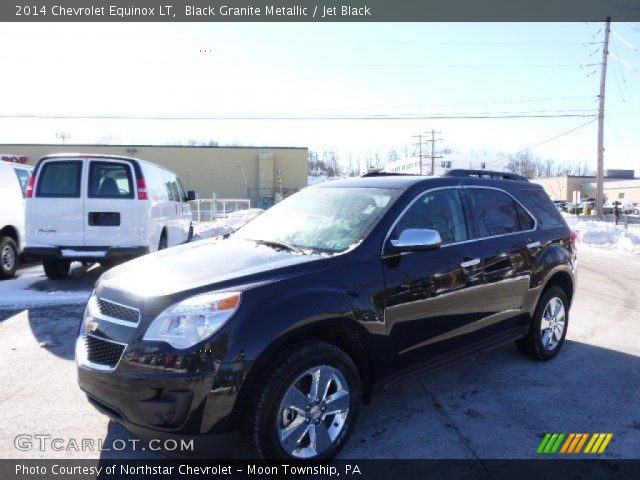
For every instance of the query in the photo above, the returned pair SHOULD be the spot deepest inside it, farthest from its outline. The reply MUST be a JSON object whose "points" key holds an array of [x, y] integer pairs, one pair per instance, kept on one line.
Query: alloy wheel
{"points": [[8, 258], [313, 412], [552, 324]]}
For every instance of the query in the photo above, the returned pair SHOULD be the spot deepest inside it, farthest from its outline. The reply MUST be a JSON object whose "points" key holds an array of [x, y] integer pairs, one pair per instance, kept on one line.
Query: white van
{"points": [[102, 208], [13, 184]]}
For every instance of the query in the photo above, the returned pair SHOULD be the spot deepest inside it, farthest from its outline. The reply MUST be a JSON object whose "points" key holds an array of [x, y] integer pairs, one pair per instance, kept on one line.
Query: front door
{"points": [[433, 298]]}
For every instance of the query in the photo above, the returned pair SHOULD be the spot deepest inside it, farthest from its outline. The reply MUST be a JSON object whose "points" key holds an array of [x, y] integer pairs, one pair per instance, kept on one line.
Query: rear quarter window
{"points": [[543, 208], [60, 179]]}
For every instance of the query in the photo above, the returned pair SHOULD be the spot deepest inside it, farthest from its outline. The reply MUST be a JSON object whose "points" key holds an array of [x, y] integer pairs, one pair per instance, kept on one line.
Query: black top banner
{"points": [[318, 10]]}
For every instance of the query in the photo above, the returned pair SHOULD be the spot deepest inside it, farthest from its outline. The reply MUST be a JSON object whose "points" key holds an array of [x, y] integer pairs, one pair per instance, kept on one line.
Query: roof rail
{"points": [[378, 173], [461, 172]]}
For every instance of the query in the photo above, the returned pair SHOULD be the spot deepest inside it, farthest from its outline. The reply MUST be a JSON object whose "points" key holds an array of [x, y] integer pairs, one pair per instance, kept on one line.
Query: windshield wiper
{"points": [[277, 244]]}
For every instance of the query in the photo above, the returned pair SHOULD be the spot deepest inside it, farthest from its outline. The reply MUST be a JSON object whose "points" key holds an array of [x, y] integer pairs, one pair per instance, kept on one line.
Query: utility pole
{"points": [[63, 136], [419, 145], [603, 81], [433, 150]]}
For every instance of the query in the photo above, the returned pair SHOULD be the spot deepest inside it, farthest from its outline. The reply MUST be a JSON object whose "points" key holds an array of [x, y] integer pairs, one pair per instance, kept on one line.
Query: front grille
{"points": [[114, 310], [103, 352]]}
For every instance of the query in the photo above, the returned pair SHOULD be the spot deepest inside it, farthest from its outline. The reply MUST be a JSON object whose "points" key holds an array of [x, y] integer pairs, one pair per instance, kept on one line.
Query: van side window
{"points": [[176, 192], [496, 213], [170, 192], [181, 193], [23, 178], [110, 180], [60, 179], [439, 210]]}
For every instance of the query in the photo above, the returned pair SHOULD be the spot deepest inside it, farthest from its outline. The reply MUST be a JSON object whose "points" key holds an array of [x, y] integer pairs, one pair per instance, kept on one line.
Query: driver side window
{"points": [[439, 210]]}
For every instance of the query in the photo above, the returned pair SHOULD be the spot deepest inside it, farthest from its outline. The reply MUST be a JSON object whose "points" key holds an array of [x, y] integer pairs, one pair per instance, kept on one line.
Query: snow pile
{"points": [[15, 291], [225, 225], [606, 234]]}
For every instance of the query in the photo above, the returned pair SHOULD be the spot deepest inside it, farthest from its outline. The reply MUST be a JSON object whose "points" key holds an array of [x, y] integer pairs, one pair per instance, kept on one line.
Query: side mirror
{"points": [[415, 239], [191, 195]]}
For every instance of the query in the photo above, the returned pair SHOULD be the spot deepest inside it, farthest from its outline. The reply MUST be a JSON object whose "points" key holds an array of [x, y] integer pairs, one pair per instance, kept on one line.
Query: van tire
{"points": [[56, 269], [162, 244], [8, 257]]}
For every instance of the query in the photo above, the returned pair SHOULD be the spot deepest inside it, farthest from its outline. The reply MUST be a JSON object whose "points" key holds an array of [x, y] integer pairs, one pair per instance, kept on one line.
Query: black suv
{"points": [[283, 328]]}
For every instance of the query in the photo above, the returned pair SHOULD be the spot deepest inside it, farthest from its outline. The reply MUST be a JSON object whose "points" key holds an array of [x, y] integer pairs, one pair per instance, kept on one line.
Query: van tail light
{"points": [[142, 189], [30, 185], [575, 239]]}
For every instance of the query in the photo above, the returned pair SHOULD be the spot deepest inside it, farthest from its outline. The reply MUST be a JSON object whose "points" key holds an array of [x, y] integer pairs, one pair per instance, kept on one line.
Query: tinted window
{"points": [[23, 178], [539, 203], [110, 180], [183, 196], [526, 222], [439, 210], [59, 179], [496, 213]]}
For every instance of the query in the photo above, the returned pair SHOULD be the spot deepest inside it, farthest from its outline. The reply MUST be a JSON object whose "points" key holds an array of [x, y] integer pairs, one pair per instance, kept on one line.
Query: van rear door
{"points": [[113, 215], [55, 213]]}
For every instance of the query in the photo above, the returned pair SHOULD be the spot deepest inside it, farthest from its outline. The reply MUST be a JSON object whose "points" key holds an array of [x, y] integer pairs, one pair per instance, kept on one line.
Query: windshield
{"points": [[325, 219]]}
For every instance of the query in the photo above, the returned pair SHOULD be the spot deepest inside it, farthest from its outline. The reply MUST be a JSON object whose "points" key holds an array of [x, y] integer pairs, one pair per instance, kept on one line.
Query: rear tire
{"points": [[548, 326], [162, 244], [8, 257], [285, 422], [56, 269]]}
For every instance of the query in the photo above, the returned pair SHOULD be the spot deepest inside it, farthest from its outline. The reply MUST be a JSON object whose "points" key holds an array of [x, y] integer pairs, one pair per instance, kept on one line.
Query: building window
{"points": [[620, 195]]}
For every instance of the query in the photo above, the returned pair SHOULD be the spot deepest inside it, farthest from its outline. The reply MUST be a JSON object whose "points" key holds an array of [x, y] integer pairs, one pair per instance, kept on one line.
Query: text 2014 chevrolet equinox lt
{"points": [[282, 329]]}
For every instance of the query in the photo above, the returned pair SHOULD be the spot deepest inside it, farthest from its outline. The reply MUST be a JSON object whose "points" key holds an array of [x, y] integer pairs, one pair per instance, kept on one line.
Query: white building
{"points": [[411, 165]]}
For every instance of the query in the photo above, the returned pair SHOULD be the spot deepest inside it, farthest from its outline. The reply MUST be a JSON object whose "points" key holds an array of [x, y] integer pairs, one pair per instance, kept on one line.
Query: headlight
{"points": [[188, 322]]}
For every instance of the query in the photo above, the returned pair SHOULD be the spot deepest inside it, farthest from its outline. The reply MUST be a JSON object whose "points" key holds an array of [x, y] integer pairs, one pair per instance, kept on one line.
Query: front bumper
{"points": [[94, 254], [156, 404]]}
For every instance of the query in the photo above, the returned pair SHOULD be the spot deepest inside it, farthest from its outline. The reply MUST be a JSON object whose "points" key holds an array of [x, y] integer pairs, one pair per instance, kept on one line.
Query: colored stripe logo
{"points": [[596, 443]]}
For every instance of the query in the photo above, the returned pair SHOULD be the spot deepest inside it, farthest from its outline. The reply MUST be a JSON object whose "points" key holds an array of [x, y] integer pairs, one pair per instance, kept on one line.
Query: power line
{"points": [[551, 139], [302, 117]]}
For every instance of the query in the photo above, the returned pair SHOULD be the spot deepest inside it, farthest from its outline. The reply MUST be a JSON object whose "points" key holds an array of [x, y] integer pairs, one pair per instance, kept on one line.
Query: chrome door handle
{"points": [[470, 263], [533, 245]]}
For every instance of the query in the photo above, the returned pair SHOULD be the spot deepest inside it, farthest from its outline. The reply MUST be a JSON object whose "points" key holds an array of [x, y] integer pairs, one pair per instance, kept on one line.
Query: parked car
{"points": [[573, 208], [346, 288], [13, 181], [105, 209], [560, 204]]}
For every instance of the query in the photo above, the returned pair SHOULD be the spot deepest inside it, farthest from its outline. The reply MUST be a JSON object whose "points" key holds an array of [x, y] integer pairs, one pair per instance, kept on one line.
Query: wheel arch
{"points": [[562, 279], [343, 333], [11, 232]]}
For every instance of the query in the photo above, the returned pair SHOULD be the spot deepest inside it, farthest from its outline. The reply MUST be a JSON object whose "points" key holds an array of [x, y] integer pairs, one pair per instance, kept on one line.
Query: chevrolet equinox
{"points": [[282, 329]]}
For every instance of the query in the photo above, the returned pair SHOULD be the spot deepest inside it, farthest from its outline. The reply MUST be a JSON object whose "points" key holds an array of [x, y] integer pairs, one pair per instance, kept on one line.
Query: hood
{"points": [[201, 264]]}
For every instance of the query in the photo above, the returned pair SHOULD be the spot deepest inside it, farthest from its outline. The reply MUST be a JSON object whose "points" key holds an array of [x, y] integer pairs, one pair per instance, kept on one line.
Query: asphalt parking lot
{"points": [[499, 405]]}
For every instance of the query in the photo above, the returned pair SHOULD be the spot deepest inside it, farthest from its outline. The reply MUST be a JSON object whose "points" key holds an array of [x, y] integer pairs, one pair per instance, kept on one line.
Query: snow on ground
{"points": [[224, 225], [16, 293], [602, 234]]}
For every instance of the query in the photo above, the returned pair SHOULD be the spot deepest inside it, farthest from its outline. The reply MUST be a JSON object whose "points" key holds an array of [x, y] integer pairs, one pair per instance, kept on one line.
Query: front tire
{"points": [[56, 269], [308, 405], [8, 257], [548, 326]]}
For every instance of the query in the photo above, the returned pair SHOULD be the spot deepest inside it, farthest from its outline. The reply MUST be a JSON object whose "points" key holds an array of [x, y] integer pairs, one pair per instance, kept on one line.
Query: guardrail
{"points": [[208, 209]]}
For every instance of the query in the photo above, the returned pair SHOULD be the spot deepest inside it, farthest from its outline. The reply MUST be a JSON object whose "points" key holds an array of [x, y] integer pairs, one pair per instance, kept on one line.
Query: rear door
{"points": [[55, 213], [113, 214], [507, 248]]}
